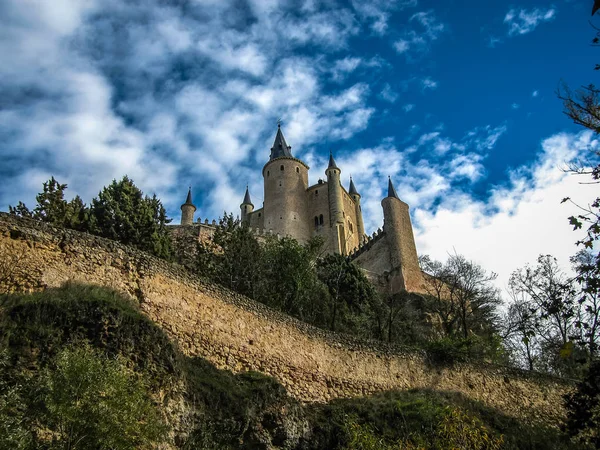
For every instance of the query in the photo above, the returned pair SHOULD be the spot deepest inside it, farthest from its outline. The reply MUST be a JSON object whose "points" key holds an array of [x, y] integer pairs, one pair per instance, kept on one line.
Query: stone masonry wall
{"points": [[238, 334]]}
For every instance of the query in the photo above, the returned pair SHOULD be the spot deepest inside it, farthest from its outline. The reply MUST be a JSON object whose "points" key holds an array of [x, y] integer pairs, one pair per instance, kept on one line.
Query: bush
{"points": [[94, 402]]}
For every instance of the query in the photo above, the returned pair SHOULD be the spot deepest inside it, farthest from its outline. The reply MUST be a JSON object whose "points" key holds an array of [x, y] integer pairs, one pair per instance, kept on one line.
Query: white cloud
{"points": [[388, 94], [377, 12], [519, 221], [522, 21], [408, 107], [535, 93], [429, 83], [515, 106], [342, 67], [428, 29], [170, 95]]}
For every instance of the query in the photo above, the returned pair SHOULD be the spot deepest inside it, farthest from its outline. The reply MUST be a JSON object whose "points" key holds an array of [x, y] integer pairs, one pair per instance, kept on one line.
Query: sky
{"points": [[455, 101]]}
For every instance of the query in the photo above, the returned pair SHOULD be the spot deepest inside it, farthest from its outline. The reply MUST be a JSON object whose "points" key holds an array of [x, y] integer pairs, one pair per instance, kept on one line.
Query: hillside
{"points": [[203, 407], [201, 367]]}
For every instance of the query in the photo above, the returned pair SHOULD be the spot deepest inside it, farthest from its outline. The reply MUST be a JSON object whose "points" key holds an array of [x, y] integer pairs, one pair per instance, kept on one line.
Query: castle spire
{"points": [[247, 200], [280, 147], [391, 190], [188, 200], [352, 190], [332, 164]]}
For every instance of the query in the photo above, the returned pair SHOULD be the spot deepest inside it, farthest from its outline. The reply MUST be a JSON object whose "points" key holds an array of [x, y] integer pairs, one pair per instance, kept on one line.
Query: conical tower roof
{"points": [[188, 199], [352, 190], [247, 200], [391, 190], [332, 164], [280, 147]]}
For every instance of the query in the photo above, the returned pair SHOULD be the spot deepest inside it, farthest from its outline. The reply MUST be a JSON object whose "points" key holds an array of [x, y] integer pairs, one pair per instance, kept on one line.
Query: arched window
{"points": [[297, 170], [321, 219], [282, 167], [316, 221], [350, 226], [268, 173], [316, 192]]}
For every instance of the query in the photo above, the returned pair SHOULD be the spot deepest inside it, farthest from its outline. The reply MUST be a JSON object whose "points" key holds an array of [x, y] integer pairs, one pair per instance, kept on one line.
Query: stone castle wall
{"points": [[238, 334]]}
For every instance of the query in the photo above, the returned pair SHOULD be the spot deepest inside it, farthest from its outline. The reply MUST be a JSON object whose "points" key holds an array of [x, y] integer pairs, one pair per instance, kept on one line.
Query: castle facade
{"points": [[293, 208]]}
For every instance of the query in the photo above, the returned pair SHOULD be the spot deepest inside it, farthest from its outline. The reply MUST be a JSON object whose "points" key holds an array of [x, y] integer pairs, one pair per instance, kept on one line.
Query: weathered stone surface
{"points": [[238, 334]]}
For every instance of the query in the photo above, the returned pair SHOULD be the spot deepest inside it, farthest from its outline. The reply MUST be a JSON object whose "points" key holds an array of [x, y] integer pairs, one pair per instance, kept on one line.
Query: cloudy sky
{"points": [[454, 100]]}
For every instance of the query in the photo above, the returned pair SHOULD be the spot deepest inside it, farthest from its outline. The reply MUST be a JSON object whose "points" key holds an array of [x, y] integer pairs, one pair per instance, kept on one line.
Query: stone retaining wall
{"points": [[238, 334]]}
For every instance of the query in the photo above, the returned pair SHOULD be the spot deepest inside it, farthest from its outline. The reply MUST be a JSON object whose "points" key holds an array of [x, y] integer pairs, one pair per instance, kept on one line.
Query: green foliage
{"points": [[583, 408], [54, 209], [14, 432], [289, 281], [83, 322], [351, 294], [420, 419], [95, 402], [123, 213], [236, 258], [34, 327]]}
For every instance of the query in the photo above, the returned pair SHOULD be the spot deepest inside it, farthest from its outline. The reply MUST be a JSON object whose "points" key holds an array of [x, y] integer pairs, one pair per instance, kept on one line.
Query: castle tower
{"points": [[246, 207], [336, 207], [286, 181], [360, 227], [401, 242], [188, 209]]}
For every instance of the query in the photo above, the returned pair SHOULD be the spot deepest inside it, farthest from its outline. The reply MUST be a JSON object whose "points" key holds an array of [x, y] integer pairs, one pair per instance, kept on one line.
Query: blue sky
{"points": [[455, 100]]}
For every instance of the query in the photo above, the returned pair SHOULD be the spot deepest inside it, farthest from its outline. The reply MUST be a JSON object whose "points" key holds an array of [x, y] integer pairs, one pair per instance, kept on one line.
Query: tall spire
{"points": [[247, 200], [188, 200], [280, 147], [332, 164], [352, 190], [391, 190]]}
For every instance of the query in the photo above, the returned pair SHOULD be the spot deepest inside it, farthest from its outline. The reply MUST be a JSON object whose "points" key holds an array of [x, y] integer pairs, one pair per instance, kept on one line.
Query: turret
{"points": [[401, 241], [246, 207], [336, 206], [360, 227], [286, 182], [188, 209]]}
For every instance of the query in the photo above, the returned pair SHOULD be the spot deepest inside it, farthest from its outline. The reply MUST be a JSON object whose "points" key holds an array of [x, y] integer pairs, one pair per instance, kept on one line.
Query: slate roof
{"points": [[280, 147]]}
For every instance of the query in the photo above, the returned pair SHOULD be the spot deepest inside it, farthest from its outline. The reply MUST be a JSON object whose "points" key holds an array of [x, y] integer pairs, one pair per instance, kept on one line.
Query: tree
{"points": [[233, 257], [583, 408], [94, 402], [351, 294], [587, 313], [463, 296], [289, 278], [121, 212], [54, 209], [549, 309], [519, 331]]}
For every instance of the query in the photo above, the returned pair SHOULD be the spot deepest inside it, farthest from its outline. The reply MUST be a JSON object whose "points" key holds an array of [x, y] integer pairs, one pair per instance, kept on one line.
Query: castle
{"points": [[293, 208]]}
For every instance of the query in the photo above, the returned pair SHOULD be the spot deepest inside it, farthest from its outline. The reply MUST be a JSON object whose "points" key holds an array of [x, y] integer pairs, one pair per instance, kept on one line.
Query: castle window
{"points": [[321, 219], [316, 221], [280, 183], [258, 214], [350, 226], [268, 173], [282, 167], [297, 170], [316, 192]]}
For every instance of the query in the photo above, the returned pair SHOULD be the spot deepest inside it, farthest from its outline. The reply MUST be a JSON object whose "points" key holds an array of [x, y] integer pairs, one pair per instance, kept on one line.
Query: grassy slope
{"points": [[239, 411]]}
